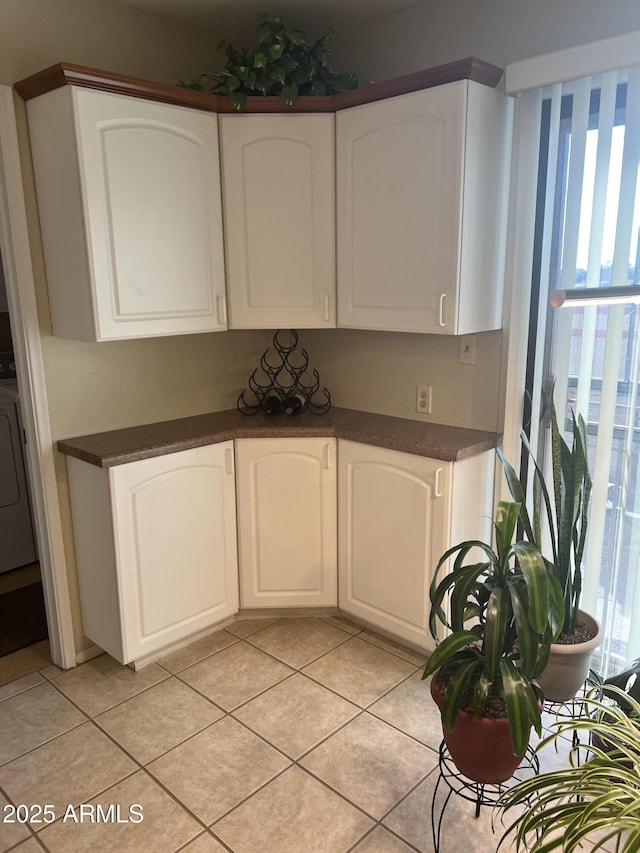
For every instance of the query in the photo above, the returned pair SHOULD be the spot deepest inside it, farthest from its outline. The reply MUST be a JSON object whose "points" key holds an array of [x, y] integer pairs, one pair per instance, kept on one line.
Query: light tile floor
{"points": [[23, 662], [271, 736]]}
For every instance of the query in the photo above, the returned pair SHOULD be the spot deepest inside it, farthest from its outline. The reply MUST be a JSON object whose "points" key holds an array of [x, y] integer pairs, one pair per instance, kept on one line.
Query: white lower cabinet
{"points": [[287, 517], [398, 513], [162, 553], [156, 548]]}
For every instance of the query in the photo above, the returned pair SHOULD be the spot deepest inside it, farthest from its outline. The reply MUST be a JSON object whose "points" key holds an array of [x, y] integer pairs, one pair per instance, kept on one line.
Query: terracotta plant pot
{"points": [[480, 748], [568, 665]]}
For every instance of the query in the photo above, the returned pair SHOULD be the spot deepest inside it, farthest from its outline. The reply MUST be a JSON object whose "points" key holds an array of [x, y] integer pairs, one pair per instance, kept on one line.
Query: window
{"points": [[588, 236]]}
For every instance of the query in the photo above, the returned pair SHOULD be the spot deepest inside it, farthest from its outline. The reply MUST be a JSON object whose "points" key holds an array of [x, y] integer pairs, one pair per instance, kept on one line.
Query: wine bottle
{"points": [[294, 404], [271, 404]]}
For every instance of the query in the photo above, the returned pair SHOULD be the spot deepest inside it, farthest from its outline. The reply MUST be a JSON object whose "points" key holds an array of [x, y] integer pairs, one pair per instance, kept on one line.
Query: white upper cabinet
{"points": [[421, 213], [130, 213], [279, 215]]}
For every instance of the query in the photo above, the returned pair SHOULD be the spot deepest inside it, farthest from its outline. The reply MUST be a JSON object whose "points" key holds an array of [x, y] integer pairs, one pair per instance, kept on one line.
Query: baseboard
{"points": [[89, 653]]}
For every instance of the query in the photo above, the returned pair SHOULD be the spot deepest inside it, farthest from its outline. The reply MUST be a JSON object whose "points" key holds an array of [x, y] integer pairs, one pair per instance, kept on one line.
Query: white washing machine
{"points": [[17, 546]]}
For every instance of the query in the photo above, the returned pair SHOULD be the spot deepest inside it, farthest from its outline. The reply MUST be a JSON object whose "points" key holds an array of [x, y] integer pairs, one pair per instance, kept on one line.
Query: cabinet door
{"points": [[130, 210], [278, 178], [287, 522], [399, 166], [175, 530], [393, 524]]}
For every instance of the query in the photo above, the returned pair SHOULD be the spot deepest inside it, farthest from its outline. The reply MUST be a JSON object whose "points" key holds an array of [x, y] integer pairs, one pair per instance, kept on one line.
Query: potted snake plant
{"points": [[494, 605], [560, 516], [594, 802]]}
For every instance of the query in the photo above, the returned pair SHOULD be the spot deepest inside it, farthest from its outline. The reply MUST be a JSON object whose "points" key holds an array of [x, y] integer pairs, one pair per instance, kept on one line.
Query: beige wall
{"points": [[95, 387], [101, 34], [499, 31], [379, 372]]}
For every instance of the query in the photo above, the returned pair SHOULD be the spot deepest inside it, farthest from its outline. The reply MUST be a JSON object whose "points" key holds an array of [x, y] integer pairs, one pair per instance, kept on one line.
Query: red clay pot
{"points": [[480, 747]]}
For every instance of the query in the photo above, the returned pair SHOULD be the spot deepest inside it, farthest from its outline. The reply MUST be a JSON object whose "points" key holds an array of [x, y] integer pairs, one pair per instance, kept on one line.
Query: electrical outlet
{"points": [[423, 399], [467, 351]]}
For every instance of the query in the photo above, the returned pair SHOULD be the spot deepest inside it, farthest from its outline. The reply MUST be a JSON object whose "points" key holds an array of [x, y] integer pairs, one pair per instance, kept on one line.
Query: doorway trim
{"points": [[16, 256]]}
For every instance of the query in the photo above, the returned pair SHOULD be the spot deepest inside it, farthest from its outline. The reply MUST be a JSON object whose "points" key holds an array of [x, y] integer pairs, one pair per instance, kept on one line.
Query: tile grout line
{"points": [[55, 737], [139, 766], [90, 720], [378, 825], [292, 762], [142, 767], [361, 709], [32, 832], [378, 821], [179, 677], [295, 762], [234, 642], [58, 820], [294, 670], [309, 662], [209, 834]]}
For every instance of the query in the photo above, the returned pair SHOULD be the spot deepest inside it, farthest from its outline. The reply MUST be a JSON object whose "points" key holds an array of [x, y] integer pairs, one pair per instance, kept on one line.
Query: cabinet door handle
{"points": [[326, 307], [228, 460], [441, 320], [222, 310], [327, 456], [436, 489]]}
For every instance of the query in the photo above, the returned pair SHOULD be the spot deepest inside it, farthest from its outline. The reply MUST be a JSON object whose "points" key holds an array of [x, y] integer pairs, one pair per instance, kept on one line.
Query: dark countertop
{"points": [[437, 441]]}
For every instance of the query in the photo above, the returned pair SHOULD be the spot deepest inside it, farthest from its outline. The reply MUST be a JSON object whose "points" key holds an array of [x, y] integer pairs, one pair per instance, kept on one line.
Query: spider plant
{"points": [[626, 682], [592, 802]]}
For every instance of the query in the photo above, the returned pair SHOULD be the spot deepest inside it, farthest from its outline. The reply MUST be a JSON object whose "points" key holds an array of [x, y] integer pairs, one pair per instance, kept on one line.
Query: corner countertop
{"points": [[121, 446]]}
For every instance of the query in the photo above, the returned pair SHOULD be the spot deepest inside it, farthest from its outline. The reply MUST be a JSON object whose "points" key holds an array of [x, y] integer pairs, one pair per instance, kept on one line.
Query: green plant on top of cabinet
{"points": [[282, 63], [421, 210], [130, 214], [279, 220]]}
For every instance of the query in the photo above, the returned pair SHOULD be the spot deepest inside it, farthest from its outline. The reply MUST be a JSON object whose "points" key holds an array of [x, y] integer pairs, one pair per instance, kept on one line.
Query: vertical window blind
{"points": [[587, 236]]}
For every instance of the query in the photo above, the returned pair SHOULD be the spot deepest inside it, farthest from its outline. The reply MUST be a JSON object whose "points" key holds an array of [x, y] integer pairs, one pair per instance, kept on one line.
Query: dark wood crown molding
{"points": [[66, 74], [463, 69]]}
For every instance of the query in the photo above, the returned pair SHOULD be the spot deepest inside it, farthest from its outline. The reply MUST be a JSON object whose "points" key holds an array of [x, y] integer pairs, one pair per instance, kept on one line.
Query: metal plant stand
{"points": [[488, 795], [573, 707], [480, 794]]}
